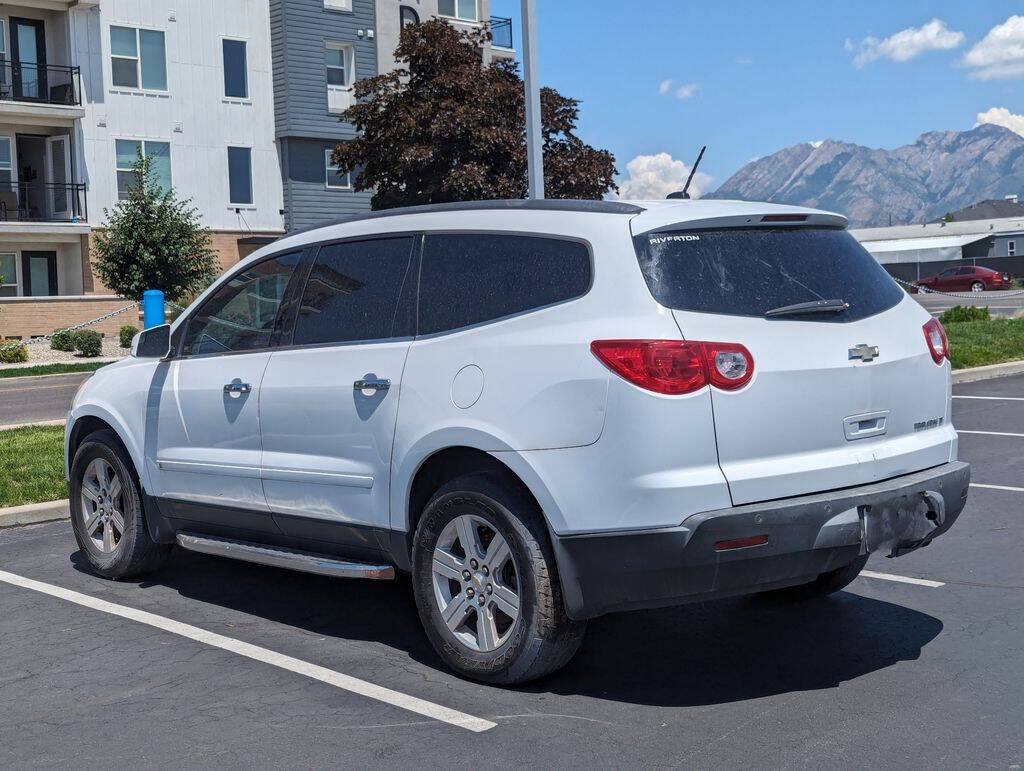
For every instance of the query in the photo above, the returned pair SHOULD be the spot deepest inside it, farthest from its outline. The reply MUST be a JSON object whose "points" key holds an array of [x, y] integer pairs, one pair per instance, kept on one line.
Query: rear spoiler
{"points": [[659, 219]]}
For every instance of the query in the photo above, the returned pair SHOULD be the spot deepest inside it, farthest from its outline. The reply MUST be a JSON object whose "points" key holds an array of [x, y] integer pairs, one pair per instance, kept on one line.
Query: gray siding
{"points": [[299, 31], [307, 199]]}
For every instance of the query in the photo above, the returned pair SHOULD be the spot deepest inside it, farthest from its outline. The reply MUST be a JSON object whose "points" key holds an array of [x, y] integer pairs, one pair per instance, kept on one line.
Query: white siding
{"points": [[193, 114]]}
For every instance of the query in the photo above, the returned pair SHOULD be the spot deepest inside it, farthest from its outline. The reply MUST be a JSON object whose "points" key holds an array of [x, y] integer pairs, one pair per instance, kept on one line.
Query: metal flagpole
{"points": [[534, 153]]}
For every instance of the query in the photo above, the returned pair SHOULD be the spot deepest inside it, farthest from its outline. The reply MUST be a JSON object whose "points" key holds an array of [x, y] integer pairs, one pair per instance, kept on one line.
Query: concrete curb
{"points": [[51, 511], [972, 374], [54, 422]]}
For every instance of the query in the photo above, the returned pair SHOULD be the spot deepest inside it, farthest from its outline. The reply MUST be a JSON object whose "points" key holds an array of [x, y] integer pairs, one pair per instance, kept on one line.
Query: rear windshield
{"points": [[749, 271]]}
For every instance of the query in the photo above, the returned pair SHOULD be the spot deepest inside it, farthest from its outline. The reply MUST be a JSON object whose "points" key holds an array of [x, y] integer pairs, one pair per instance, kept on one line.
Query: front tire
{"points": [[106, 510], [486, 584], [825, 584]]}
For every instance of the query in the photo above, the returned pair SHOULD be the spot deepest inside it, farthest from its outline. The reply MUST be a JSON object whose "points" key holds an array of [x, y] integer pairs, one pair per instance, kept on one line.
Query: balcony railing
{"points": [[43, 202], [501, 32], [40, 83]]}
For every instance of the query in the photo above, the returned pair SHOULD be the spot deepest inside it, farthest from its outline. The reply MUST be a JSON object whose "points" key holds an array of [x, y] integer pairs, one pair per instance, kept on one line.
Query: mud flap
{"points": [[902, 524]]}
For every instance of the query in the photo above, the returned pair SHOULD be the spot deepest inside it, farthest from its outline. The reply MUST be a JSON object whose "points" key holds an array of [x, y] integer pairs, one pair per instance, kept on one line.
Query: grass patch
{"points": [[32, 465], [53, 369], [975, 343]]}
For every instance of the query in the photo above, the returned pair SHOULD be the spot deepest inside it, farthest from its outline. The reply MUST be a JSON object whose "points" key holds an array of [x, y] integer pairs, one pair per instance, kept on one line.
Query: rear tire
{"points": [[504, 626], [825, 584], [106, 510], [977, 286]]}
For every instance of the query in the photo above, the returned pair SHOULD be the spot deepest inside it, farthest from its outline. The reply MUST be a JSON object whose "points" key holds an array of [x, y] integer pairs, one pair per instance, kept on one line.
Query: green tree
{"points": [[153, 240], [444, 127]]}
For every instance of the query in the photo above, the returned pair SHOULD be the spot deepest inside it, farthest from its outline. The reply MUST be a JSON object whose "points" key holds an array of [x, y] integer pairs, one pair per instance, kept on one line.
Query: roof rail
{"points": [[528, 204]]}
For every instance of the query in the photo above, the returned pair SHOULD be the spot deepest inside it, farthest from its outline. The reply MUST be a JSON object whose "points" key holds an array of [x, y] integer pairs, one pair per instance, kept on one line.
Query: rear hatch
{"points": [[824, 409]]}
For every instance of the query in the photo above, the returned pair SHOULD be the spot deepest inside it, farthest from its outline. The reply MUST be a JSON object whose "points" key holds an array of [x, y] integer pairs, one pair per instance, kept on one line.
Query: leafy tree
{"points": [[443, 127], [153, 240]]}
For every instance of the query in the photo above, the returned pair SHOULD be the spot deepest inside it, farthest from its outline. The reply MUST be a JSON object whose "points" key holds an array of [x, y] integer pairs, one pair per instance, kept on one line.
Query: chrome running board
{"points": [[279, 557]]}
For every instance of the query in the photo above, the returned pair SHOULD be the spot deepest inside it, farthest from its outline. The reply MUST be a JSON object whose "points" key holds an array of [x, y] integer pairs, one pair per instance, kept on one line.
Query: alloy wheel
{"points": [[103, 505], [476, 583]]}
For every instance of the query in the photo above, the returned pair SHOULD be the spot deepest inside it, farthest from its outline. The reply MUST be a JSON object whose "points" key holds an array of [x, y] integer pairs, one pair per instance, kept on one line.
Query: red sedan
{"points": [[971, 278]]}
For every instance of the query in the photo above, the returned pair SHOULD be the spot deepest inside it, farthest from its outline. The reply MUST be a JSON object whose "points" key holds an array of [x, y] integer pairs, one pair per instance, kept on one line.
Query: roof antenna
{"points": [[683, 193]]}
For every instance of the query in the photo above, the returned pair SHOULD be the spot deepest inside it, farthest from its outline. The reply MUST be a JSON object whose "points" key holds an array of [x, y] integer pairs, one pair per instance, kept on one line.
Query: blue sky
{"points": [[748, 78]]}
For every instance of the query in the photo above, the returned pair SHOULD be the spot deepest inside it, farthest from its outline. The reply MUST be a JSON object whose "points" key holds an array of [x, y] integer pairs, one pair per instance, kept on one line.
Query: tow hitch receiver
{"points": [[902, 524]]}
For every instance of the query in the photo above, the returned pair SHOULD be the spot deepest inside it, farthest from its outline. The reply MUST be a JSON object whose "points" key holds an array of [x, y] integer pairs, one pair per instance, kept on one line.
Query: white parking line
{"points": [[999, 487], [992, 398], [988, 433], [902, 579], [313, 671]]}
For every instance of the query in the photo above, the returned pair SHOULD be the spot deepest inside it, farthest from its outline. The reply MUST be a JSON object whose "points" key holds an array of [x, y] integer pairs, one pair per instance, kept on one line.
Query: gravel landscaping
{"points": [[41, 353]]}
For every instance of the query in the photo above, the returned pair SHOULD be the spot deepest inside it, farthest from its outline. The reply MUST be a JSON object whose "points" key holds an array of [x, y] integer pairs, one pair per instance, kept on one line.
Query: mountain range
{"points": [[941, 172]]}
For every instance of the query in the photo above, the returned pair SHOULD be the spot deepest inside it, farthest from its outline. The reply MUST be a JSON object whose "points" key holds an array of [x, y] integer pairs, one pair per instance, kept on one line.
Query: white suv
{"points": [[543, 411]]}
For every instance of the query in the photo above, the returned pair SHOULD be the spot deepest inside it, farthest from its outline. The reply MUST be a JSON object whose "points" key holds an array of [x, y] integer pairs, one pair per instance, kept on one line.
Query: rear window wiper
{"points": [[815, 306]]}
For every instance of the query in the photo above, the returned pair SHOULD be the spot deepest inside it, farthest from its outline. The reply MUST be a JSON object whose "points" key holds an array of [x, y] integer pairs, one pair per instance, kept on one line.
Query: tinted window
{"points": [[240, 175], [352, 292], [747, 272], [235, 80], [467, 279], [240, 316]]}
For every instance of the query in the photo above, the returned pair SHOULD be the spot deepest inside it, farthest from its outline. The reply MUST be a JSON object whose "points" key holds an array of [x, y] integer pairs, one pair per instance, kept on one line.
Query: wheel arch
{"points": [[81, 424]]}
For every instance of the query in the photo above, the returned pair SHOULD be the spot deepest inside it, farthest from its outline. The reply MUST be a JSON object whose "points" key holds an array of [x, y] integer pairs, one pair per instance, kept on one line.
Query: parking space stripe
{"points": [[998, 487], [902, 579], [257, 653], [992, 398], [988, 433]]}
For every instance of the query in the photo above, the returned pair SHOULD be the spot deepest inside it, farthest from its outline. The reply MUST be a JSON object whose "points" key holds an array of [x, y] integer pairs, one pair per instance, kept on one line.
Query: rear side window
{"points": [[352, 292], [749, 271], [468, 279]]}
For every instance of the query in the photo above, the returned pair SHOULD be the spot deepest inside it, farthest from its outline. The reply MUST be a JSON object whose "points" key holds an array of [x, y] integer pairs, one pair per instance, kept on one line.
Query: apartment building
{"points": [[236, 101]]}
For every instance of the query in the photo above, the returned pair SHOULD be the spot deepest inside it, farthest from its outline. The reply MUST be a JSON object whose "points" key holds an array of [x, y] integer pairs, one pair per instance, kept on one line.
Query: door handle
{"points": [[375, 384], [237, 388]]}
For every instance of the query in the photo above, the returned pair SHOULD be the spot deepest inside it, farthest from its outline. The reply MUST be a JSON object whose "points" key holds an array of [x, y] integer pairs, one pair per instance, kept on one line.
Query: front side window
{"points": [[240, 175], [750, 271], [241, 314], [126, 152], [8, 275], [468, 279], [353, 291], [236, 81], [138, 58], [464, 10], [336, 180]]}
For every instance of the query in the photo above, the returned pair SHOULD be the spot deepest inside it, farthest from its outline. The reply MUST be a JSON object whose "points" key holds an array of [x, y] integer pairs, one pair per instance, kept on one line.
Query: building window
{"points": [[8, 275], [464, 10], [6, 164], [1011, 248], [407, 16], [137, 57], [240, 175], [338, 59], [236, 81], [335, 179], [3, 50], [126, 152], [338, 5]]}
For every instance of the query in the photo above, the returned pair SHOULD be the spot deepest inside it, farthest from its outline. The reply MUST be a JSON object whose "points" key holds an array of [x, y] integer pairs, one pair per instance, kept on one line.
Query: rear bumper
{"points": [[806, 536]]}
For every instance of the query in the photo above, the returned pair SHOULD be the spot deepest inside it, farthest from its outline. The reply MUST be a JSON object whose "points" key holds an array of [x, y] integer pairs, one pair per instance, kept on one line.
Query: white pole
{"points": [[534, 154]]}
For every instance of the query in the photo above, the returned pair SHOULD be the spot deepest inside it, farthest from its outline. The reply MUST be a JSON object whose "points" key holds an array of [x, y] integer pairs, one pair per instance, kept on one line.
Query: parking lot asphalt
{"points": [[887, 673], [999, 303]]}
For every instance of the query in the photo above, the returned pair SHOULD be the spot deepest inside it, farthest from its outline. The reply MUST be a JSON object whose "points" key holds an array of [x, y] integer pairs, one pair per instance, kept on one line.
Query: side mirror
{"points": [[152, 343]]}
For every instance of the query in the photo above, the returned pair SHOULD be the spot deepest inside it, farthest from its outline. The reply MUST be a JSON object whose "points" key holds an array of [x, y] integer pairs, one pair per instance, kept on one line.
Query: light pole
{"points": [[534, 152]]}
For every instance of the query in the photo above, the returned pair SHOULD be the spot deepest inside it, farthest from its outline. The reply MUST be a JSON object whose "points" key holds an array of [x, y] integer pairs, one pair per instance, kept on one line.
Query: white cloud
{"points": [[686, 90], [744, 60], [653, 177], [665, 86], [906, 44], [1000, 54], [1000, 116]]}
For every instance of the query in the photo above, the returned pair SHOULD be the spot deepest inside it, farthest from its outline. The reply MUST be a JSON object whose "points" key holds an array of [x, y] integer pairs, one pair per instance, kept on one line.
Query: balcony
{"points": [[40, 93], [501, 32], [41, 202]]}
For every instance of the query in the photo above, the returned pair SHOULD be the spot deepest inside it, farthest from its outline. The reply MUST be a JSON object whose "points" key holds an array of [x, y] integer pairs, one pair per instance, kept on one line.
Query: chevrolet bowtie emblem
{"points": [[864, 352]]}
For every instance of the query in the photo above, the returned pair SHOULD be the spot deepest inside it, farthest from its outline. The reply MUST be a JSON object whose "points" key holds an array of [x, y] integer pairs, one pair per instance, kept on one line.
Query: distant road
{"points": [[25, 399], [998, 303]]}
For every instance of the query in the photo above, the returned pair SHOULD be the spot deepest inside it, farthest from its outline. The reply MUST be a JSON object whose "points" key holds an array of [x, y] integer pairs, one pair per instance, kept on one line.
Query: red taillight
{"points": [[935, 338], [676, 367], [741, 543]]}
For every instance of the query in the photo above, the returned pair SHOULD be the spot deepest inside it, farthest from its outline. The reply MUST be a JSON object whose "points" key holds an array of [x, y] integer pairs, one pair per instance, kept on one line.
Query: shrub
{"points": [[126, 333], [89, 342], [13, 352], [964, 313], [62, 340]]}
